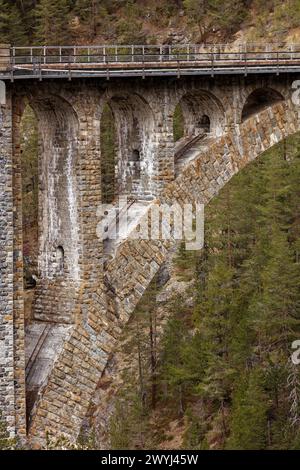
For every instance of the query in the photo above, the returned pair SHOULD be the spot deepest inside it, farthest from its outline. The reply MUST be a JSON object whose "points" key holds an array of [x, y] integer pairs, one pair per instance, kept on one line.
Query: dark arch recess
{"points": [[260, 99], [194, 106]]}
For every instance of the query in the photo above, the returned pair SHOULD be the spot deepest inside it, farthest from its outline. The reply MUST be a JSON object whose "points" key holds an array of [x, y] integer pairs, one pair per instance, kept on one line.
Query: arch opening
{"points": [[131, 148], [204, 123], [47, 131], [58, 211], [198, 113], [259, 100], [135, 156], [178, 123], [60, 259]]}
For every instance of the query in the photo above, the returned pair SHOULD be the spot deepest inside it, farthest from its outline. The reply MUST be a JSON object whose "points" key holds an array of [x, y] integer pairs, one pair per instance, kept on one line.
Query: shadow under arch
{"points": [[134, 144], [201, 111], [258, 100], [58, 218]]}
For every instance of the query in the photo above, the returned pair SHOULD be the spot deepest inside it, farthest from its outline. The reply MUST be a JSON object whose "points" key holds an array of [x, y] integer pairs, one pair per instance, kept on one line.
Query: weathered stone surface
{"points": [[4, 57], [124, 276], [88, 301], [12, 363]]}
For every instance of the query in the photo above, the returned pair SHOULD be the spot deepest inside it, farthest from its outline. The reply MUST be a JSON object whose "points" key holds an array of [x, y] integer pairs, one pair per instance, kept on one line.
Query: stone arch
{"points": [[134, 122], [230, 153], [58, 209], [204, 123], [258, 100], [60, 258], [199, 104], [58, 212]]}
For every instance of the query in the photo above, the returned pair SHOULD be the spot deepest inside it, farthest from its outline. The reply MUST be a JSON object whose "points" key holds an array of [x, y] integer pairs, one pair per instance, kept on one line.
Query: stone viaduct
{"points": [[51, 365]]}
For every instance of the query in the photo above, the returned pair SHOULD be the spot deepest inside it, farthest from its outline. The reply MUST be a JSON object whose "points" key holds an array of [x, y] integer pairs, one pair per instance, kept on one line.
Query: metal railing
{"points": [[39, 60], [139, 54]]}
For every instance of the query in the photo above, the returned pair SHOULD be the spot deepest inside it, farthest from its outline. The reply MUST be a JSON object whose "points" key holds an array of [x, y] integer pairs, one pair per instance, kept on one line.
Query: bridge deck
{"points": [[141, 61]]}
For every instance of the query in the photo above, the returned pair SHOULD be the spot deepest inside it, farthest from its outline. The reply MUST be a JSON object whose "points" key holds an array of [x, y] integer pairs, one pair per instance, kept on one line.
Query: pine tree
{"points": [[88, 11], [248, 426], [52, 22], [178, 123], [11, 25]]}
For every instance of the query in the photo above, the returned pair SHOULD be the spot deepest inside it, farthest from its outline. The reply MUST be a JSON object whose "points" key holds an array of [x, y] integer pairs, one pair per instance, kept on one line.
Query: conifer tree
{"points": [[249, 414], [11, 25], [52, 22]]}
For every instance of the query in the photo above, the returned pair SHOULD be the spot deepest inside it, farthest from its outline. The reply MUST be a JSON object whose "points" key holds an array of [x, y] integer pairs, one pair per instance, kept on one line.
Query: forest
{"points": [[57, 22]]}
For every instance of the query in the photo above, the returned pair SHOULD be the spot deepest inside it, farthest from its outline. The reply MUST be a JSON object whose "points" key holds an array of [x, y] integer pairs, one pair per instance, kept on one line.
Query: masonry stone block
{"points": [[82, 302]]}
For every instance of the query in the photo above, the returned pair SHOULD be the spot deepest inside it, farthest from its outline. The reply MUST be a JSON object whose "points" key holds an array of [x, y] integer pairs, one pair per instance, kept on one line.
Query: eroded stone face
{"points": [[86, 305], [7, 400], [12, 359]]}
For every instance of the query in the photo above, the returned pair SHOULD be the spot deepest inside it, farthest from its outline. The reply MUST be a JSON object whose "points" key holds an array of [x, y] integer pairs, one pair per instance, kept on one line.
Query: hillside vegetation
{"points": [[146, 21]]}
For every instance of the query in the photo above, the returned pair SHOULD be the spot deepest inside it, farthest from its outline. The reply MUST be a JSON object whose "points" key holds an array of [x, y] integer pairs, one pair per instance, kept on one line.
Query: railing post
{"points": [[44, 54], [69, 63], [60, 55], [132, 53], [14, 56], [5, 58], [40, 68]]}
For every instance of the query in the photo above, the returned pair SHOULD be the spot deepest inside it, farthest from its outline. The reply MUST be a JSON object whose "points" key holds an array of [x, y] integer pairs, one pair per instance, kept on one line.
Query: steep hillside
{"points": [[147, 21]]}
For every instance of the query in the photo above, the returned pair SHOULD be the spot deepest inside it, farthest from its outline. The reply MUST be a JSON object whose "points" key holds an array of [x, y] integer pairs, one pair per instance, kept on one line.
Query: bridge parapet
{"points": [[4, 57], [110, 61]]}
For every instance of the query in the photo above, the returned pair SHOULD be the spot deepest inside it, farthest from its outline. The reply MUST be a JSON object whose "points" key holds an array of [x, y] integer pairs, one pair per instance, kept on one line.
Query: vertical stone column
{"points": [[18, 276], [12, 361], [164, 170], [88, 171], [73, 378], [4, 57], [7, 393]]}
